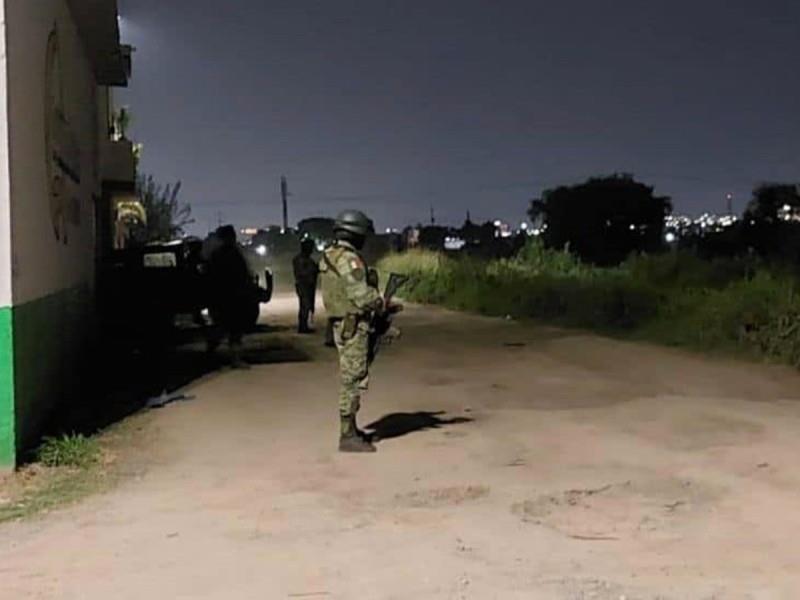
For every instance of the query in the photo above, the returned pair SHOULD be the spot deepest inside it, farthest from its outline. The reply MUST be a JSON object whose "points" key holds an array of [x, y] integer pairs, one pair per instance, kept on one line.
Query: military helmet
{"points": [[355, 222]]}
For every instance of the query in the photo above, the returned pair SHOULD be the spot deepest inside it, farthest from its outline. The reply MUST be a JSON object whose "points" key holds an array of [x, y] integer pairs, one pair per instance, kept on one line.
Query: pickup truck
{"points": [[149, 287]]}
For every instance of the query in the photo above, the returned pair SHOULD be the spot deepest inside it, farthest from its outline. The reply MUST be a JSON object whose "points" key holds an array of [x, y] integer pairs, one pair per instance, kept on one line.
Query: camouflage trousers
{"points": [[353, 367]]}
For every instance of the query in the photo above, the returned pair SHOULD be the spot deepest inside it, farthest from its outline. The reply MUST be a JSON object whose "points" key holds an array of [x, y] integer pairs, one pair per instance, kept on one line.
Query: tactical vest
{"points": [[334, 286]]}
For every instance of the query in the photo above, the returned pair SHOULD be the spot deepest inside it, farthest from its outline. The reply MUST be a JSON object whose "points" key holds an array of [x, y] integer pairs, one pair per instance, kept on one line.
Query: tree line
{"points": [[606, 219]]}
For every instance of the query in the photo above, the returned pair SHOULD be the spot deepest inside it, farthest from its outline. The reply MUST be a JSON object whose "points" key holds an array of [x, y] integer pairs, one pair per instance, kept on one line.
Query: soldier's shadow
{"points": [[399, 424]]}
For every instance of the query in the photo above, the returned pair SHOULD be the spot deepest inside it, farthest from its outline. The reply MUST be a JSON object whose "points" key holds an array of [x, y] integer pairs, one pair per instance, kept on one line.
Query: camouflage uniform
{"points": [[349, 302]]}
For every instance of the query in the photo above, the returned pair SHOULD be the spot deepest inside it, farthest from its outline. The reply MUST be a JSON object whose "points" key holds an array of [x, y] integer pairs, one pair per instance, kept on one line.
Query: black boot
{"points": [[367, 437], [350, 440]]}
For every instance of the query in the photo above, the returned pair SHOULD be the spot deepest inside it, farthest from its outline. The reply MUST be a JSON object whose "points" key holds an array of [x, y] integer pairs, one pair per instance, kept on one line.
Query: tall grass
{"points": [[679, 299]]}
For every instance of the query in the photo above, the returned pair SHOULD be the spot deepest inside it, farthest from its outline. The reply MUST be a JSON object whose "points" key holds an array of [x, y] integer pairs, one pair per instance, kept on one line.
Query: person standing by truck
{"points": [[306, 272], [230, 293]]}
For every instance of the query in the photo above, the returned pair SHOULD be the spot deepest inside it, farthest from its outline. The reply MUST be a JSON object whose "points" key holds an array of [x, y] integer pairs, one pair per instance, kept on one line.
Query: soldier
{"points": [[306, 272], [350, 303], [231, 289]]}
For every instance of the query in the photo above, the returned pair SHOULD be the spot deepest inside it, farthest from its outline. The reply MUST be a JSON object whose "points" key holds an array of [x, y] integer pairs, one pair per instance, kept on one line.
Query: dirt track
{"points": [[557, 466]]}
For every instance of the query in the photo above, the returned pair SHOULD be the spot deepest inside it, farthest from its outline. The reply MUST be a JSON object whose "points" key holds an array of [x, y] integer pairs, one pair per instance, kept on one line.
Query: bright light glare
{"points": [[261, 250]]}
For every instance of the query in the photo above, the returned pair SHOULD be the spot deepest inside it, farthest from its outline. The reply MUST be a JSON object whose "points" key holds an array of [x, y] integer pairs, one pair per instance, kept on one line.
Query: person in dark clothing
{"points": [[306, 272], [329, 341], [231, 290], [195, 282]]}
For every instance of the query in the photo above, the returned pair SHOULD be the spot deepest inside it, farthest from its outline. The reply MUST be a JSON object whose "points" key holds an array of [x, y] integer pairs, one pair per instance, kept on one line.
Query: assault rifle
{"points": [[382, 321]]}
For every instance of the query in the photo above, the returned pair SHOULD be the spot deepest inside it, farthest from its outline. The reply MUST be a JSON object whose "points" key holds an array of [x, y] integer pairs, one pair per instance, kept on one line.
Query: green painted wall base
{"points": [[7, 418], [51, 349], [44, 350]]}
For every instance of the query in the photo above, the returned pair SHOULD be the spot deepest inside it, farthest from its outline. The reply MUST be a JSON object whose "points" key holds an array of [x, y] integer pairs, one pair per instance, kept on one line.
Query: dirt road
{"points": [[525, 463]]}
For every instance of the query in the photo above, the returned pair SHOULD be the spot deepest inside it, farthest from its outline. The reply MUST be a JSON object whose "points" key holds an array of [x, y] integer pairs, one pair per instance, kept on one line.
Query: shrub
{"points": [[69, 451], [732, 304]]}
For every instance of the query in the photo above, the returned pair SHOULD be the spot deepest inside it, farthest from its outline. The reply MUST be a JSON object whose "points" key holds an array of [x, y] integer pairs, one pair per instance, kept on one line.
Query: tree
{"points": [[432, 236], [167, 217], [773, 202], [604, 219], [772, 221], [478, 235], [120, 123]]}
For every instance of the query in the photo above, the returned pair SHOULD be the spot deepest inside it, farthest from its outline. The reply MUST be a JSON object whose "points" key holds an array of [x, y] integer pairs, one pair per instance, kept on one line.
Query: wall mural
{"points": [[63, 150]]}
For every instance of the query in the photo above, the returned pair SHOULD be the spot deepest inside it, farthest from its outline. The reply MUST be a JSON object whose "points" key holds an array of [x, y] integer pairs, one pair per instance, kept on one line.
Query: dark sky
{"points": [[392, 106]]}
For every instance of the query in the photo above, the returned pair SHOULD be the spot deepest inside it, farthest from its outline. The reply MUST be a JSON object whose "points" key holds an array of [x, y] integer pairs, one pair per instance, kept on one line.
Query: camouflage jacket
{"points": [[345, 290]]}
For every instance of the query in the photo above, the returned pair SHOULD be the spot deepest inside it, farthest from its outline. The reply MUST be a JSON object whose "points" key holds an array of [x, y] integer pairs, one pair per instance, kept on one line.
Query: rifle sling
{"points": [[330, 265]]}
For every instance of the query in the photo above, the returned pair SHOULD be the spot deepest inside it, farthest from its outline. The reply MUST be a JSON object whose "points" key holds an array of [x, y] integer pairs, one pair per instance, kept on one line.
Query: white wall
{"points": [[44, 265], [5, 217]]}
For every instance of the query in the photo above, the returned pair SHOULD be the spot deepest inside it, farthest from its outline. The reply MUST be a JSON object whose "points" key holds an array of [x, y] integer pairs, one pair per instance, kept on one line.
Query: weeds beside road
{"points": [[735, 306], [68, 469]]}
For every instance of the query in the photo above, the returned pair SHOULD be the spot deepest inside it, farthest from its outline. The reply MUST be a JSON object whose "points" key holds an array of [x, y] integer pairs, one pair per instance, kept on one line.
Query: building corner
{"points": [[7, 408]]}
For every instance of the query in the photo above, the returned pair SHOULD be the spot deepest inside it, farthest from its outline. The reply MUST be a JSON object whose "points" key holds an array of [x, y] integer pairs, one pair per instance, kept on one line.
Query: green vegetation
{"points": [[72, 467], [69, 468], [731, 305], [69, 451]]}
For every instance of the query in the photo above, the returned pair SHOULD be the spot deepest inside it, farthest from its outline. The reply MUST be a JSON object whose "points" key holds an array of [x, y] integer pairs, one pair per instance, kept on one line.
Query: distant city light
{"points": [[670, 237], [681, 224], [454, 243], [261, 250]]}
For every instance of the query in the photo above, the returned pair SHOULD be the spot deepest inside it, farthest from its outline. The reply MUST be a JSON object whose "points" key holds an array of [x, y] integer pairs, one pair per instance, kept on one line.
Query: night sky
{"points": [[396, 106]]}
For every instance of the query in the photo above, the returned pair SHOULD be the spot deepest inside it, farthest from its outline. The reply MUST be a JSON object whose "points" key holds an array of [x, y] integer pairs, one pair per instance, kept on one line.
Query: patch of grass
{"points": [[69, 450], [72, 467]]}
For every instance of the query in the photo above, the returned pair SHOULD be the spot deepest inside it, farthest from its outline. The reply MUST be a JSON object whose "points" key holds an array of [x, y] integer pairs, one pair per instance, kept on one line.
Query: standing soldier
{"points": [[306, 272], [231, 291], [350, 303]]}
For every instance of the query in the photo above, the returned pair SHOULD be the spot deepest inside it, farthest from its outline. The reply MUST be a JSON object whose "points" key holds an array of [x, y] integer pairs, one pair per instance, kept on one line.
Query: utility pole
{"points": [[285, 199], [433, 216], [729, 201]]}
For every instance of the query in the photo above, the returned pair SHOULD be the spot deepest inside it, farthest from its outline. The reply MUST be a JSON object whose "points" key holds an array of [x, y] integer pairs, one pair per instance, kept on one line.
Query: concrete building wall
{"points": [[54, 144], [53, 240], [7, 420]]}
